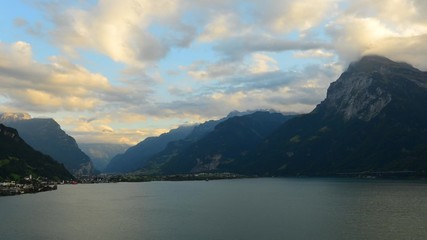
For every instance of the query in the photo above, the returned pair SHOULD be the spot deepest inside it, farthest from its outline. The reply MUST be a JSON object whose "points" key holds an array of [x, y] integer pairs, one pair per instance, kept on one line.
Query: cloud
{"points": [[301, 15], [35, 29], [222, 26], [254, 64], [141, 32], [354, 35], [202, 70], [287, 91], [314, 53], [396, 12], [121, 29], [263, 63], [394, 29], [180, 91], [20, 22], [237, 48], [100, 129], [58, 85]]}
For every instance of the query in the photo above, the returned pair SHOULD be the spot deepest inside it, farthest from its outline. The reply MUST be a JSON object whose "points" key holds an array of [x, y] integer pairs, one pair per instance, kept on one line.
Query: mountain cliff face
{"points": [[374, 118], [368, 86], [18, 159], [46, 136]]}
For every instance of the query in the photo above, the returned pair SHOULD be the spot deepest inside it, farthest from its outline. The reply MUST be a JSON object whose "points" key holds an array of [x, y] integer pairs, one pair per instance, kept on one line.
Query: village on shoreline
{"points": [[32, 185], [27, 185]]}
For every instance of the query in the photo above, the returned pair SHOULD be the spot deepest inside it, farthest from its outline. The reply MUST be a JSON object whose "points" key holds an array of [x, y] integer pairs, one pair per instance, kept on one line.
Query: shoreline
{"points": [[13, 189]]}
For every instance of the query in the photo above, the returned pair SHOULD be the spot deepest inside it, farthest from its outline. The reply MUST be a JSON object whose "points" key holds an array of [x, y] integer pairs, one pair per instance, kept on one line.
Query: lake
{"points": [[276, 208]]}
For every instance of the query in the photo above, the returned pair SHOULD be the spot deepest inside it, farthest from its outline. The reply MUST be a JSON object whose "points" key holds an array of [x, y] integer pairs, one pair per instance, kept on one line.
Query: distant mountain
{"points": [[374, 118], [137, 156], [102, 153], [46, 136], [18, 159], [219, 149]]}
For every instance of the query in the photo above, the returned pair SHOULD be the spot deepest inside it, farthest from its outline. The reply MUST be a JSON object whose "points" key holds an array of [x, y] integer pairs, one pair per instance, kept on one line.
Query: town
{"points": [[26, 185]]}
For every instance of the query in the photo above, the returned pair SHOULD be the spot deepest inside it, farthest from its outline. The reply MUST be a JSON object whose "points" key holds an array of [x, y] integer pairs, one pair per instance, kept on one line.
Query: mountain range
{"points": [[374, 119], [45, 135], [138, 156], [229, 140]]}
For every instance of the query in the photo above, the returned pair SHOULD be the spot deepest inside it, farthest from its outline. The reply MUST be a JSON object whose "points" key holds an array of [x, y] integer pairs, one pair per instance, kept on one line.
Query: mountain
{"points": [[102, 153], [137, 156], [45, 135], [218, 150], [18, 159], [374, 119]]}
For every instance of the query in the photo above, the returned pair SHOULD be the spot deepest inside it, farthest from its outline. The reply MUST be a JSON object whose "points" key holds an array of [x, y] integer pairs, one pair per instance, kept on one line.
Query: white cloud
{"points": [[263, 63], [121, 29], [395, 29], [202, 70], [141, 32], [314, 53], [301, 15], [59, 85], [100, 129], [395, 12], [223, 26], [354, 36]]}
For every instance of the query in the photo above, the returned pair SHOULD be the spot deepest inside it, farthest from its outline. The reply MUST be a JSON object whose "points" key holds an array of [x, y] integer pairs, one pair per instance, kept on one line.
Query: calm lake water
{"points": [[223, 209]]}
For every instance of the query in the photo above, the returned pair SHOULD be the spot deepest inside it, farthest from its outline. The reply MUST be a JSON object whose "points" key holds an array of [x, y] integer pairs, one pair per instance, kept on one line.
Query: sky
{"points": [[119, 71]]}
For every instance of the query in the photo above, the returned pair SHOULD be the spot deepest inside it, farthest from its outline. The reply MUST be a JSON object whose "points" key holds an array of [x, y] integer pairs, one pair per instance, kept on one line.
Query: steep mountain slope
{"points": [[102, 153], [373, 119], [217, 151], [46, 136], [18, 159]]}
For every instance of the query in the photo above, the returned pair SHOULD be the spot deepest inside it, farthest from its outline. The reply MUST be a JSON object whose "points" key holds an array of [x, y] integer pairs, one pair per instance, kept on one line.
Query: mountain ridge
{"points": [[219, 149], [46, 135], [18, 159], [373, 119], [138, 156]]}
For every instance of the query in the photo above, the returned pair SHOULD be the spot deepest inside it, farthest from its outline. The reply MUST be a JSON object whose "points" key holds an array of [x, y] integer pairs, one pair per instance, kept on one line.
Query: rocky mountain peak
{"points": [[375, 63], [366, 88], [7, 117]]}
